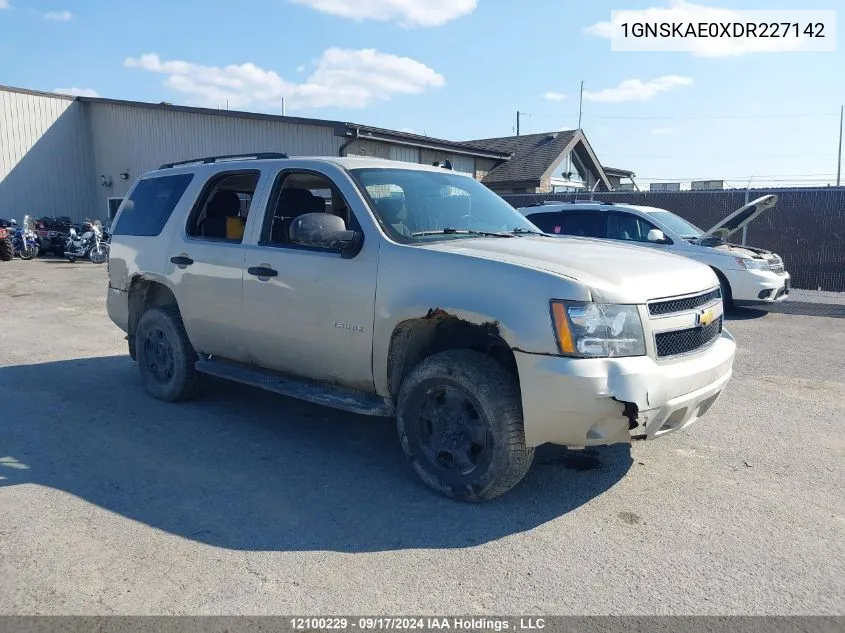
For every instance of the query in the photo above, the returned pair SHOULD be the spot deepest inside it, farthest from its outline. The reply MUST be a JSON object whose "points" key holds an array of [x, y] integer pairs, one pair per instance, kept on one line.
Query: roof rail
{"points": [[213, 159]]}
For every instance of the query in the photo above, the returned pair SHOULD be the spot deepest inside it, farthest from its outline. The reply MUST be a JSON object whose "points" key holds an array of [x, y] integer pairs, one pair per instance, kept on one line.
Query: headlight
{"points": [[597, 329], [752, 264]]}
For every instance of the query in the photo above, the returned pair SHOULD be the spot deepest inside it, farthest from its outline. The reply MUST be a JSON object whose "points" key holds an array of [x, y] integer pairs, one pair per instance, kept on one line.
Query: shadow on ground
{"points": [[804, 308], [246, 469]]}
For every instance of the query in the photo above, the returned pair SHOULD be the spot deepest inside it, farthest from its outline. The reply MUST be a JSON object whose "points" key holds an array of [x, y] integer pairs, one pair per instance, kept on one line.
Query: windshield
{"points": [[676, 224], [415, 205]]}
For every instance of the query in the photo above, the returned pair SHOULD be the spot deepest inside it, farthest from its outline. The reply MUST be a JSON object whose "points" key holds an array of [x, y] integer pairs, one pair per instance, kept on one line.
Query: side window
{"points": [[298, 193], [624, 226], [222, 209], [147, 210], [584, 224], [547, 222]]}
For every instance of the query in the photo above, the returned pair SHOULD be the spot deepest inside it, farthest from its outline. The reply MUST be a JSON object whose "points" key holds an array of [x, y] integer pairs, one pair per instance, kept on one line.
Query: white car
{"points": [[747, 275]]}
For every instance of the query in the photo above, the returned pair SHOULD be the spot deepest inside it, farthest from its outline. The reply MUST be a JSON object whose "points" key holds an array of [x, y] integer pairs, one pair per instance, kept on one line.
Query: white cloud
{"points": [[638, 90], [688, 13], [554, 96], [662, 131], [77, 92], [405, 12], [343, 78], [300, 68], [59, 16], [4, 4], [408, 130]]}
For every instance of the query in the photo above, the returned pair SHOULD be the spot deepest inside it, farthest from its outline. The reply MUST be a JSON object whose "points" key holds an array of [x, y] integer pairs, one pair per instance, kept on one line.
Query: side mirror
{"points": [[324, 230], [656, 236]]}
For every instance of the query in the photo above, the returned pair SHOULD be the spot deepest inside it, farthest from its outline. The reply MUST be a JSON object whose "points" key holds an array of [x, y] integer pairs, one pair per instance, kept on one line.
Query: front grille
{"points": [[683, 304], [684, 341]]}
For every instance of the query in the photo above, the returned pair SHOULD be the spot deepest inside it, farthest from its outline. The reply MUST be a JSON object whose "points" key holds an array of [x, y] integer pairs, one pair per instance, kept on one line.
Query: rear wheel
{"points": [[165, 356], [459, 418]]}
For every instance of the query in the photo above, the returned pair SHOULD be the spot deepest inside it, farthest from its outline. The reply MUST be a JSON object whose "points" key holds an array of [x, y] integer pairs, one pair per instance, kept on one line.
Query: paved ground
{"points": [[245, 502]]}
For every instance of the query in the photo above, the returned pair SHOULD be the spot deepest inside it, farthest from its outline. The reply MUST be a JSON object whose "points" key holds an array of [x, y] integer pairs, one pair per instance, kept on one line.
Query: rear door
{"points": [[310, 311], [205, 262]]}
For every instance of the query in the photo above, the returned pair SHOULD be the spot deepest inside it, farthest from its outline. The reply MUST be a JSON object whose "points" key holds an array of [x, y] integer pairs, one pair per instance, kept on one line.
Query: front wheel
{"points": [[99, 254], [30, 252], [459, 417]]}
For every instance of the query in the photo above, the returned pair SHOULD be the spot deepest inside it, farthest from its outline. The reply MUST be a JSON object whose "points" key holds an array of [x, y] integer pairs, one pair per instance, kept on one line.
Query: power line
{"points": [[715, 116], [647, 156]]}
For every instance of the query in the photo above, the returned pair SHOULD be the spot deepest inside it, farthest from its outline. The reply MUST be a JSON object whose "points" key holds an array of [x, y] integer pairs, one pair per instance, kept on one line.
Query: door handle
{"points": [[261, 271], [181, 261]]}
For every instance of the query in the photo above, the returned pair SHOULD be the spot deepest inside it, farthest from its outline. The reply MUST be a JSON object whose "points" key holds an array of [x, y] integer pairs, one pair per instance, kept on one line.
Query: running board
{"points": [[310, 391]]}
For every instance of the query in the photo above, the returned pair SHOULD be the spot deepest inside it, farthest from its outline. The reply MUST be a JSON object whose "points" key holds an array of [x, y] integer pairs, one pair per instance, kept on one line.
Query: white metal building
{"points": [[78, 156]]}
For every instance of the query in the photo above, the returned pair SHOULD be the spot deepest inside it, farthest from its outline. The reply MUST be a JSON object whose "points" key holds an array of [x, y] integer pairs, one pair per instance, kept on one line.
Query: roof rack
{"points": [[213, 159]]}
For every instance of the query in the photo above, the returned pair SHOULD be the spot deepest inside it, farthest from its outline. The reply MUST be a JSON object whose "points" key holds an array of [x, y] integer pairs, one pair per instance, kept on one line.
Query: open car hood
{"points": [[741, 217]]}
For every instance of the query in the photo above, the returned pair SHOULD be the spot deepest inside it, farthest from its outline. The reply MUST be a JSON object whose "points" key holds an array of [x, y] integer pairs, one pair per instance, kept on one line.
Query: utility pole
{"points": [[839, 161], [580, 104], [284, 109]]}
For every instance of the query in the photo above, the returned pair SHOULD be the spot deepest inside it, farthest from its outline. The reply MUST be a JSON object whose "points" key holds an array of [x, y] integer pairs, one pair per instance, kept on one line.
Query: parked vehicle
{"points": [[24, 239], [52, 235], [397, 289], [747, 275], [87, 242], [7, 251]]}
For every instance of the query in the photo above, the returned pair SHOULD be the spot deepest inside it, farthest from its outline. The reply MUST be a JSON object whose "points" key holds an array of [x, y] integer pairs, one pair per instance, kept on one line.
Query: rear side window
{"points": [[546, 222], [147, 210], [582, 224]]}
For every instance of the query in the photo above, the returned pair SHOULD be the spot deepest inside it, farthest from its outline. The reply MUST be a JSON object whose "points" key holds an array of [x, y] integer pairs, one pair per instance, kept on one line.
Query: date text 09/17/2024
{"points": [[418, 623]]}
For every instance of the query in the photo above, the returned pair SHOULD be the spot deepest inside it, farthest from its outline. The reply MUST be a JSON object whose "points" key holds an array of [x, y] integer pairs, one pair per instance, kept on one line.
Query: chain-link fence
{"points": [[806, 228]]}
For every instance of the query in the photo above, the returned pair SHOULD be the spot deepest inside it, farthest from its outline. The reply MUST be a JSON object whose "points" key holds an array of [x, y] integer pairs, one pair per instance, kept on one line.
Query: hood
{"points": [[738, 250], [741, 217], [614, 273]]}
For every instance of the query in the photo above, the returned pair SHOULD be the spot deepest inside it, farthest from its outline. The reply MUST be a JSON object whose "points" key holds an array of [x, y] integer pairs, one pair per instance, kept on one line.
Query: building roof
{"points": [[619, 173], [532, 154], [341, 128]]}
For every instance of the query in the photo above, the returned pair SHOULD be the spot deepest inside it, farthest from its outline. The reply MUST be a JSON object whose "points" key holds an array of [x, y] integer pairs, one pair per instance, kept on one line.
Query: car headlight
{"points": [[752, 264], [597, 329]]}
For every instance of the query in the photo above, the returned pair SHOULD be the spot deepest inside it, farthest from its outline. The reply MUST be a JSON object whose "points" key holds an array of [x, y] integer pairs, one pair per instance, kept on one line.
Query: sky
{"points": [[455, 69]]}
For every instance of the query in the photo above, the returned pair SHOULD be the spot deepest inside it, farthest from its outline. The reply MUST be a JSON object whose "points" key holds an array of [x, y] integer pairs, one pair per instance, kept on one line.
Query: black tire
{"points": [[459, 416], [725, 289], [6, 250], [165, 356]]}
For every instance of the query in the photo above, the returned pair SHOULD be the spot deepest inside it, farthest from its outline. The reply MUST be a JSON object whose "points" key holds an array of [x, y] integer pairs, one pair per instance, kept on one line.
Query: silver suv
{"points": [[405, 290]]}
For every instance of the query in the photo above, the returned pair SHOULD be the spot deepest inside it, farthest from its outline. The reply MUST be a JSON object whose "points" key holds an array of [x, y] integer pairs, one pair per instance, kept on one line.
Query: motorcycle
{"points": [[24, 239], [87, 242]]}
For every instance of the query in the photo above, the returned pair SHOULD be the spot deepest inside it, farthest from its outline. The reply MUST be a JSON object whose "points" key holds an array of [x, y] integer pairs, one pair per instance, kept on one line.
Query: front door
{"points": [[310, 311]]}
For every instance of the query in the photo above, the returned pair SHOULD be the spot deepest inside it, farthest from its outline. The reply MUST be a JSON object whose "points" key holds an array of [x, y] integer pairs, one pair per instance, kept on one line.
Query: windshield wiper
{"points": [[521, 231], [451, 231]]}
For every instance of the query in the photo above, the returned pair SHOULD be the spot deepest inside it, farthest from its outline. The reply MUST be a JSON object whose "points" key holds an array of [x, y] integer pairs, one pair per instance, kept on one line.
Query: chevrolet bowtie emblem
{"points": [[704, 318]]}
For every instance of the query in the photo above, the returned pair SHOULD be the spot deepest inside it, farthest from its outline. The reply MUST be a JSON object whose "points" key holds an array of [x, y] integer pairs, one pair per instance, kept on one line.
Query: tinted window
{"points": [[581, 224], [147, 210], [622, 226], [546, 222]]}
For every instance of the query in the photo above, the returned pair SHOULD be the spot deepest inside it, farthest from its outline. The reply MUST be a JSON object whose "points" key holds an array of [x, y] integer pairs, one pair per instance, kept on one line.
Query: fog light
{"points": [[765, 294]]}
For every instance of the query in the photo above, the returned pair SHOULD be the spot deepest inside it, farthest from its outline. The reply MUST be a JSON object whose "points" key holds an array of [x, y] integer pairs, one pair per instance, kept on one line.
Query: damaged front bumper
{"points": [[589, 402]]}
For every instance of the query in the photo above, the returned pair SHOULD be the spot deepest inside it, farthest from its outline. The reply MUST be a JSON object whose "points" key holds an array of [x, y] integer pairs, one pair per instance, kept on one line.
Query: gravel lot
{"points": [[245, 502]]}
